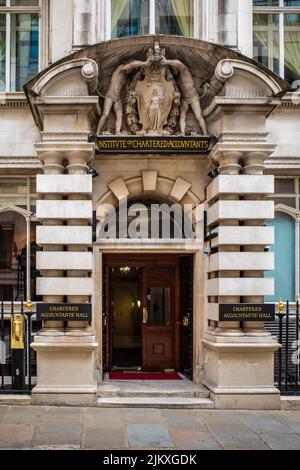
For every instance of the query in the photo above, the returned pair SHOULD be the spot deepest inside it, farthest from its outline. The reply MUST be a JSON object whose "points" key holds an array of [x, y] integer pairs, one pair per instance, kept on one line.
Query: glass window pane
{"points": [[266, 3], [24, 3], [284, 186], [159, 306], [291, 3], [292, 47], [33, 186], [287, 201], [13, 186], [2, 3], [12, 249], [24, 49], [174, 17], [2, 52], [266, 40], [284, 249], [129, 18]]}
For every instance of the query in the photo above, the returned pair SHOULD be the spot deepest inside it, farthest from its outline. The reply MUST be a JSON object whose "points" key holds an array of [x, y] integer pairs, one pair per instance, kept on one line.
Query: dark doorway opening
{"points": [[148, 313], [126, 294]]}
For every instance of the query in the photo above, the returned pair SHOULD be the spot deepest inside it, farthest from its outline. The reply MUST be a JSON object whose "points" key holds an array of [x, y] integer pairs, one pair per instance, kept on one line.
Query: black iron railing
{"points": [[17, 366], [286, 328]]}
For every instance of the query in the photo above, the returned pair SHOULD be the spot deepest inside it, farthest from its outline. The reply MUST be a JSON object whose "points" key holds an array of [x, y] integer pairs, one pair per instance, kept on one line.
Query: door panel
{"points": [[158, 319], [158, 306]]}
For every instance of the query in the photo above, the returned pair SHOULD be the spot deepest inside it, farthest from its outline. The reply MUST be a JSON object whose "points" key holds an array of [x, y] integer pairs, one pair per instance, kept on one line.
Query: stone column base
{"points": [[239, 372], [65, 371], [245, 399]]}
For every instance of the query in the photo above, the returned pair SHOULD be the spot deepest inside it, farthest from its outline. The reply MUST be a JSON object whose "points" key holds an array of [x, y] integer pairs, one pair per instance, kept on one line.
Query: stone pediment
{"points": [[88, 73]]}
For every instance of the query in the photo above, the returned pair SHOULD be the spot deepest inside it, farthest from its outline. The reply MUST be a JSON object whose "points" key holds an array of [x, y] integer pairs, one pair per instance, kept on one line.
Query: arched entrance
{"points": [[147, 281]]}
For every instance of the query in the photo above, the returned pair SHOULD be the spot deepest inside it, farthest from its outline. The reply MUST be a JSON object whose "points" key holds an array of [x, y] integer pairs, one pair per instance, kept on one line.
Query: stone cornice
{"points": [[280, 163], [65, 137], [243, 147], [248, 137], [221, 103], [20, 162], [13, 100], [65, 147]]}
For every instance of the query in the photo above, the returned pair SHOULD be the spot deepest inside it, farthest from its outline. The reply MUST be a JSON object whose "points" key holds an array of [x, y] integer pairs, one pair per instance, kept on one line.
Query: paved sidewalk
{"points": [[33, 427]]}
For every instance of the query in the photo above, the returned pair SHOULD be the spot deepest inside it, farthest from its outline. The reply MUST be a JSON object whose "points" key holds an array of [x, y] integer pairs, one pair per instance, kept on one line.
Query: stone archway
{"points": [[149, 184]]}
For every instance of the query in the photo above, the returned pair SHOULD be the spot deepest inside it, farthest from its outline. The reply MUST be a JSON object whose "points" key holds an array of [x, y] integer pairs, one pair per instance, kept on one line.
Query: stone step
{"points": [[155, 402], [152, 394], [151, 389]]}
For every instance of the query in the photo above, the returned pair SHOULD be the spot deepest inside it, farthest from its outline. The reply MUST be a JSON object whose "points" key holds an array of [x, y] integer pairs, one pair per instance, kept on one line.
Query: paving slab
{"points": [[290, 419], [109, 438], [149, 435], [107, 417], [57, 428], [64, 413], [143, 416], [16, 436], [194, 440], [263, 423], [236, 437], [23, 415], [219, 416], [182, 419], [3, 411], [58, 433], [282, 441]]}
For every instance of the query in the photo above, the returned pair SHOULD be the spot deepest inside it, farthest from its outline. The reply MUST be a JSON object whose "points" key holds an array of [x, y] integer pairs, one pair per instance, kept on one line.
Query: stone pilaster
{"points": [[229, 164], [53, 164], [253, 164], [239, 357], [78, 165], [65, 362]]}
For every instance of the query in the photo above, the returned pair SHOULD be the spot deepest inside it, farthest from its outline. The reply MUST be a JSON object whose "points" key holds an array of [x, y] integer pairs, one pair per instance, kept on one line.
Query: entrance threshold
{"points": [[182, 394], [143, 376]]}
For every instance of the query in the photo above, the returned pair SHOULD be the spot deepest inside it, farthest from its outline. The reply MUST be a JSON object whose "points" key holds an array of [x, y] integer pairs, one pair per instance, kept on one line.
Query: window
{"points": [[287, 244], [138, 17], [276, 36], [284, 250], [19, 43], [17, 239]]}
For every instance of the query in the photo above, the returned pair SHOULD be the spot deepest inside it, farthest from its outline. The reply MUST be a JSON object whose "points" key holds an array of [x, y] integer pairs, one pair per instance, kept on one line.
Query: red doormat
{"points": [[142, 376]]}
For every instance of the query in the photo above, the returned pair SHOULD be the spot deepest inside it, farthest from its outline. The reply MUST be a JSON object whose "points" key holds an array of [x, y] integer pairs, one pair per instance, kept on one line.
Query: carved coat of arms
{"points": [[159, 94], [153, 100]]}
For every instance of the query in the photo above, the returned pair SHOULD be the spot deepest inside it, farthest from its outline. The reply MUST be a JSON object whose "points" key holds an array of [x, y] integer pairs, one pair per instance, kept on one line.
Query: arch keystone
{"points": [[149, 180]]}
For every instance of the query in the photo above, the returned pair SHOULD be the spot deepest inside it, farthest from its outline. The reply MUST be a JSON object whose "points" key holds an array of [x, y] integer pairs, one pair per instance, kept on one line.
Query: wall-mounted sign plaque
{"points": [[246, 312], [147, 144], [64, 312]]}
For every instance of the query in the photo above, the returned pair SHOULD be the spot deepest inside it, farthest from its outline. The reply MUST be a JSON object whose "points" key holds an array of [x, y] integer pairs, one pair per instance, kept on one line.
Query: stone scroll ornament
{"points": [[159, 94]]}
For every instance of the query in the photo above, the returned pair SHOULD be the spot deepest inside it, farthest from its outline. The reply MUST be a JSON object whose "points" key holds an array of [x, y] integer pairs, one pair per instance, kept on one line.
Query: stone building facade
{"points": [[189, 71]]}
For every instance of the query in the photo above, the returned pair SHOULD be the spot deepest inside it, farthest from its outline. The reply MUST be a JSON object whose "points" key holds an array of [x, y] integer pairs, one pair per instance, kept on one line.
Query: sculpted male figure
{"points": [[113, 96], [189, 94]]}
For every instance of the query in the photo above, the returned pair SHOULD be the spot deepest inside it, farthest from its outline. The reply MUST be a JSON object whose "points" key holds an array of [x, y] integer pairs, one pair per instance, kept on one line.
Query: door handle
{"points": [[186, 321], [145, 315]]}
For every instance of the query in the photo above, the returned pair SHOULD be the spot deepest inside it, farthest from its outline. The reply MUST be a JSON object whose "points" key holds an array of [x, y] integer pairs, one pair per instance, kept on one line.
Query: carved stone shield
{"points": [[153, 101]]}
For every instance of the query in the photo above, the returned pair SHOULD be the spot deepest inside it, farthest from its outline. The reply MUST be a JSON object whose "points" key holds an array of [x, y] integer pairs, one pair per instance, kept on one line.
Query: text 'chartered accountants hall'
{"points": [[150, 199]]}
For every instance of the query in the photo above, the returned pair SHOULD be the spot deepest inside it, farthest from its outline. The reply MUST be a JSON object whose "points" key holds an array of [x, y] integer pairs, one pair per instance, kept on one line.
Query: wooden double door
{"points": [[143, 319]]}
